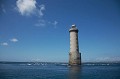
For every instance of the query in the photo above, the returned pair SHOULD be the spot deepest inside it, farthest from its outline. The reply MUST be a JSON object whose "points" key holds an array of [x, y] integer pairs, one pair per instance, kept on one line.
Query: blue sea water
{"points": [[59, 71]]}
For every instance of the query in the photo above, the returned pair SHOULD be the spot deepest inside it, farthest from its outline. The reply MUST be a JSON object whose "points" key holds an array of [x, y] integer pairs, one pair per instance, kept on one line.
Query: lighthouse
{"points": [[74, 55]]}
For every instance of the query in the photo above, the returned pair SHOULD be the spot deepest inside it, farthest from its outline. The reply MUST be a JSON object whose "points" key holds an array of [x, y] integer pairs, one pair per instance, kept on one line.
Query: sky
{"points": [[38, 30]]}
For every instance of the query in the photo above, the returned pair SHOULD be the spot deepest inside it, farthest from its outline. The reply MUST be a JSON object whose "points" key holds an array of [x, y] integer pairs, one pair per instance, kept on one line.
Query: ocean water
{"points": [[30, 70]]}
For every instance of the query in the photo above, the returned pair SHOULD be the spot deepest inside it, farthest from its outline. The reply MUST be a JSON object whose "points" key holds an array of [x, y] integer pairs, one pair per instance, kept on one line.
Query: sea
{"points": [[49, 70]]}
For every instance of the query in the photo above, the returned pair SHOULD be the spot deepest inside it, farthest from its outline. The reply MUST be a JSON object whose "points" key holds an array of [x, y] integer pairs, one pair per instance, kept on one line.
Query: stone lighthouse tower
{"points": [[74, 55]]}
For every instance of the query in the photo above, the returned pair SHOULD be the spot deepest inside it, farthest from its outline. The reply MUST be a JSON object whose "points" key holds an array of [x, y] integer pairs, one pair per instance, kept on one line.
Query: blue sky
{"points": [[38, 30]]}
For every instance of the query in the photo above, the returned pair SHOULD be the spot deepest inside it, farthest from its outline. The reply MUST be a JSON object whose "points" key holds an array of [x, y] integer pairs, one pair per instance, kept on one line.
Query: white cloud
{"points": [[14, 40], [42, 7], [4, 44], [53, 23], [26, 7], [41, 23]]}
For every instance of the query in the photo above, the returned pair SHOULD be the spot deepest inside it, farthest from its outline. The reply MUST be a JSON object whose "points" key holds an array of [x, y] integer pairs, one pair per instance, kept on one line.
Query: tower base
{"points": [[74, 59]]}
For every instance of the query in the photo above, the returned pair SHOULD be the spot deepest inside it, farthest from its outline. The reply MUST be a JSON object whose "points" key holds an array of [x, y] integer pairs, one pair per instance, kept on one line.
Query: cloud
{"points": [[4, 44], [29, 7], [26, 7], [14, 40], [42, 7], [3, 9], [41, 23], [53, 23]]}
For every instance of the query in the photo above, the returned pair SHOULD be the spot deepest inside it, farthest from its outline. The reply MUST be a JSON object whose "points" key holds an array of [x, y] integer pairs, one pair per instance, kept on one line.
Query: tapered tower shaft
{"points": [[74, 55]]}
